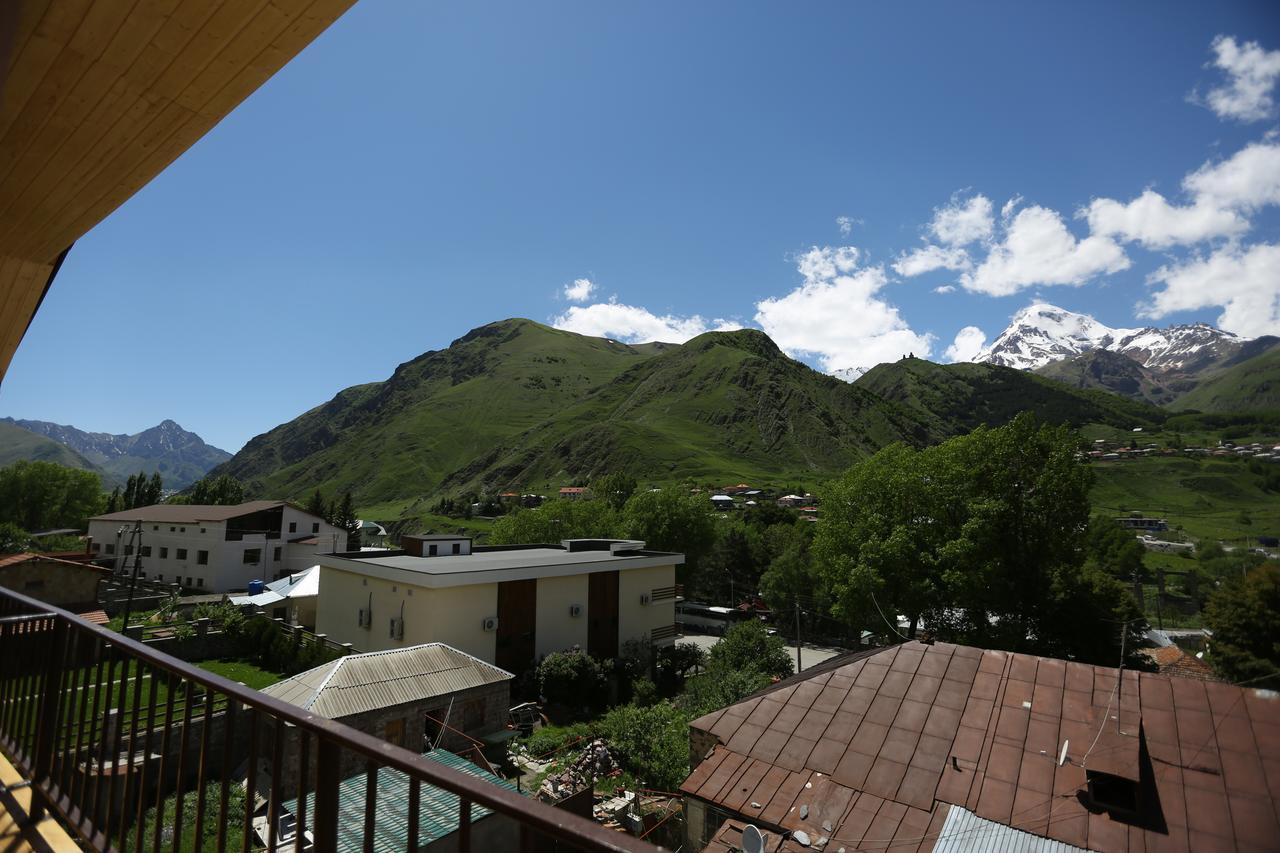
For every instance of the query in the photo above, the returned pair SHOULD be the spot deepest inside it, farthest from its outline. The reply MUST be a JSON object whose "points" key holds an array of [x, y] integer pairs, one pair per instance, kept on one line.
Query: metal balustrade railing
{"points": [[137, 751]]}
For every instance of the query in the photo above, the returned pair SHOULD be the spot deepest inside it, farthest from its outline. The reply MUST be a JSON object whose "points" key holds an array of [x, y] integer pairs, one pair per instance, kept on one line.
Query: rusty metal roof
{"points": [[870, 753], [364, 682], [188, 513]]}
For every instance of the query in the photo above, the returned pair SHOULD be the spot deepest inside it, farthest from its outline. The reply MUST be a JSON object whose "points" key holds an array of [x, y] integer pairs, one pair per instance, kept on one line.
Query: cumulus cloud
{"points": [[929, 258], [1244, 282], [1036, 248], [846, 223], [1248, 180], [579, 290], [963, 221], [1155, 223], [945, 288], [968, 343], [1251, 76], [837, 316], [633, 324]]}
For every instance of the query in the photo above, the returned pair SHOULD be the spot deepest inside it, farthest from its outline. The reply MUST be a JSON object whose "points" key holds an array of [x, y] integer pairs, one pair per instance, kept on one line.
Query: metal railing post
{"points": [[46, 731], [328, 755]]}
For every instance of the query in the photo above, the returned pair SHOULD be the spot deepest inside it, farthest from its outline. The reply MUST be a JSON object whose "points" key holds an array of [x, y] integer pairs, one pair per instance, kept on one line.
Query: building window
{"points": [[128, 550], [275, 554], [431, 550], [164, 553], [111, 549], [171, 529], [199, 581], [252, 556], [97, 547], [189, 581], [157, 527], [315, 527], [146, 550], [457, 547], [202, 558], [182, 553], [202, 530], [182, 530], [293, 527]]}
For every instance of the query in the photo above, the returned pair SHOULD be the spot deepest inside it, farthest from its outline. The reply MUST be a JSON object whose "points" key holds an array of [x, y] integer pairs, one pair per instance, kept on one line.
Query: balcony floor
{"points": [[16, 834]]}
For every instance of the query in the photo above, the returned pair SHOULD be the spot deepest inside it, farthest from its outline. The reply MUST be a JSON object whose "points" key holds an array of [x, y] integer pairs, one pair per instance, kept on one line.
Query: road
{"points": [[809, 655]]}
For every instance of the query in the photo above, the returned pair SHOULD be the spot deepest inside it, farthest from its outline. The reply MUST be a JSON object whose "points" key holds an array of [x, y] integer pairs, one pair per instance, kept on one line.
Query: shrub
{"points": [[573, 679], [652, 743], [549, 739]]}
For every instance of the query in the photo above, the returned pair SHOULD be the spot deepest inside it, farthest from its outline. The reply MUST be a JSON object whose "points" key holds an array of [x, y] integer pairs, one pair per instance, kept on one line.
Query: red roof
{"points": [[1173, 660], [879, 749], [7, 560]]}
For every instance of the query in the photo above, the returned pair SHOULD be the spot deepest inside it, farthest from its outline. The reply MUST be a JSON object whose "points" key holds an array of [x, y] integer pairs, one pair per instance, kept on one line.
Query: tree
{"points": [[571, 678], [671, 520], [651, 742], [1244, 615], [614, 489], [317, 506], [729, 570], [983, 537], [556, 520], [42, 495], [114, 502], [749, 646], [1115, 550], [222, 490], [13, 539], [154, 489]]}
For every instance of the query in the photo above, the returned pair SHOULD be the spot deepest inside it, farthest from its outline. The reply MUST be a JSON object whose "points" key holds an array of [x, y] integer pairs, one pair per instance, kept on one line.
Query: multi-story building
{"points": [[507, 605], [215, 548]]}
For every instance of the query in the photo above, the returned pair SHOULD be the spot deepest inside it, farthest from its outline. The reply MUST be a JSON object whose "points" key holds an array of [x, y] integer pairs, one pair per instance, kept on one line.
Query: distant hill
{"points": [[1247, 386], [180, 456], [1111, 371], [516, 405], [18, 444], [954, 398]]}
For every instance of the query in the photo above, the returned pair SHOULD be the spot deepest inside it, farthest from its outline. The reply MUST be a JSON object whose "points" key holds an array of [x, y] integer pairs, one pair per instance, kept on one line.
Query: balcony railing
{"points": [[133, 750]]}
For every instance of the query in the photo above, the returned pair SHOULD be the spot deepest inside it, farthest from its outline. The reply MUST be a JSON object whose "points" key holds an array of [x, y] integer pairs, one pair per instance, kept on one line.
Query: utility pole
{"points": [[799, 666], [136, 539]]}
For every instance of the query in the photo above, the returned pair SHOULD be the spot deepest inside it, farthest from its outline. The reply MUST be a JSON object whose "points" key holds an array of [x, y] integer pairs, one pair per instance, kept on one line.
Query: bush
{"points": [[651, 743], [749, 646], [549, 739], [573, 679]]}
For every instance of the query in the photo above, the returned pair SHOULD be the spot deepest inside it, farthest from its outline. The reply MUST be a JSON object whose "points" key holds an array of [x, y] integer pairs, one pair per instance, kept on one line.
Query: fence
{"points": [[106, 729]]}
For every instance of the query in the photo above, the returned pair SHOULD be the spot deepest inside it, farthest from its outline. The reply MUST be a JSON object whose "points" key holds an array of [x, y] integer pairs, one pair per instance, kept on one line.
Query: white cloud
{"points": [[846, 223], [579, 290], [1244, 282], [1252, 74], [837, 316], [968, 343], [633, 324], [929, 258], [1037, 249], [1150, 220], [945, 288], [962, 222], [1248, 180]]}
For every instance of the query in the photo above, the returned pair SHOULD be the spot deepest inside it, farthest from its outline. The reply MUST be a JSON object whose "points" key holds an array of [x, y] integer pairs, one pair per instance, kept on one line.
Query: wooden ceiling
{"points": [[98, 96]]}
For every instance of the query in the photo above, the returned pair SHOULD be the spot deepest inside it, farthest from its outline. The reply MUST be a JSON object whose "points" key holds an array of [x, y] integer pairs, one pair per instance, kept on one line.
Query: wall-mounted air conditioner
{"points": [[490, 623], [397, 628], [575, 610], [645, 598], [365, 617]]}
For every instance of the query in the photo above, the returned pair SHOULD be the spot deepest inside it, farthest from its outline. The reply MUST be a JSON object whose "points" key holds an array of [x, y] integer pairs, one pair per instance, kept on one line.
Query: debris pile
{"points": [[594, 763]]}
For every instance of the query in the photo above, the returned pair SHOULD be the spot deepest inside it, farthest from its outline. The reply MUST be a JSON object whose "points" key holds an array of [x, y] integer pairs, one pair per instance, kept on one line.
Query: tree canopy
{"points": [[1244, 615], [982, 537], [42, 495]]}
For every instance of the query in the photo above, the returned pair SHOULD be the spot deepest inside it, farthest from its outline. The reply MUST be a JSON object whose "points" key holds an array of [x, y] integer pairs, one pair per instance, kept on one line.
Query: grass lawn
{"points": [[241, 671]]}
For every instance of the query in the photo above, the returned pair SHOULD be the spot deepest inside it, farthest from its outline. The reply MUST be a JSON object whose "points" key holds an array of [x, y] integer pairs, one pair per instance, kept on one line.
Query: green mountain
{"points": [[436, 414], [1105, 370], [1248, 385], [17, 444], [950, 399], [516, 405]]}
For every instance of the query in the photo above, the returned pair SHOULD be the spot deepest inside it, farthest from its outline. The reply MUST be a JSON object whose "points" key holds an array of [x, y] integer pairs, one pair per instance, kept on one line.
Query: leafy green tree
{"points": [[671, 520], [729, 571], [651, 742], [749, 646], [571, 678], [715, 689], [1115, 550], [13, 539], [155, 488], [614, 489], [114, 501], [43, 495], [222, 490], [556, 520], [1244, 615]]}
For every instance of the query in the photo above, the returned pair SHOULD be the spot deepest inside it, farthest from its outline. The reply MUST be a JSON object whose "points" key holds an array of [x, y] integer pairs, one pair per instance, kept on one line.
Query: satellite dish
{"points": [[752, 840]]}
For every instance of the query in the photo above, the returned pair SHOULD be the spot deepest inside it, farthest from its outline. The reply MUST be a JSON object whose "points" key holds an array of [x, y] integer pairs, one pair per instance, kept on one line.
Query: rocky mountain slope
{"points": [[180, 456]]}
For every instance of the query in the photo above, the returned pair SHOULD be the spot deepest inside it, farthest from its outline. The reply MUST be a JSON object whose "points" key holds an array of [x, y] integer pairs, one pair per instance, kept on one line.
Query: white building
{"points": [[507, 605], [216, 548]]}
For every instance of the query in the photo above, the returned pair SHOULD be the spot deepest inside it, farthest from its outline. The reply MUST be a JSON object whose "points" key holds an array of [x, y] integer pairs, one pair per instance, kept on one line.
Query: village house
{"points": [[69, 584], [574, 493], [942, 747], [216, 548], [507, 605]]}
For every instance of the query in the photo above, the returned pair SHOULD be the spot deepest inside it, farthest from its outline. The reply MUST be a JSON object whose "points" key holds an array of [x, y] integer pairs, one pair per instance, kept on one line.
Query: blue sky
{"points": [[423, 169]]}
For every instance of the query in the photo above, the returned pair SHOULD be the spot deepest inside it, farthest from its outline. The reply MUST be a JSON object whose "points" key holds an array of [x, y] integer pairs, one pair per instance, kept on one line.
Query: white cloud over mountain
{"points": [[579, 290], [968, 343], [837, 314], [1252, 73], [633, 324], [1244, 282]]}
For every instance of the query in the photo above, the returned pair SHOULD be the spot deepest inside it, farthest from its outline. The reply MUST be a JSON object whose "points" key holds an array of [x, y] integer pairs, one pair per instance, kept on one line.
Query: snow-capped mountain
{"points": [[1042, 333]]}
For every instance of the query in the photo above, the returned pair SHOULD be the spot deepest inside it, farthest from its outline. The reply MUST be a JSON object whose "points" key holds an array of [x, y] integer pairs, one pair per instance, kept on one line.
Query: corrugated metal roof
{"points": [[190, 513], [965, 832], [304, 584], [437, 811], [358, 683]]}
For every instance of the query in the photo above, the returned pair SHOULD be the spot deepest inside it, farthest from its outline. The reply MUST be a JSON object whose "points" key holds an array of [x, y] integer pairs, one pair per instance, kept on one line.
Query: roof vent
{"points": [[1116, 794]]}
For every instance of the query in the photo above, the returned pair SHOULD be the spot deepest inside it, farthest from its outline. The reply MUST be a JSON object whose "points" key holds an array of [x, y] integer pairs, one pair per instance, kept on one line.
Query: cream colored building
{"points": [[507, 605]]}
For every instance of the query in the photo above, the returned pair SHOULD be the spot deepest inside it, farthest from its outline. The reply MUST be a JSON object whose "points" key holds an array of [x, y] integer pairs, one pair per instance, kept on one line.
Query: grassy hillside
{"points": [[1103, 370], [1251, 385], [17, 444], [725, 406], [954, 398], [402, 437], [1211, 498]]}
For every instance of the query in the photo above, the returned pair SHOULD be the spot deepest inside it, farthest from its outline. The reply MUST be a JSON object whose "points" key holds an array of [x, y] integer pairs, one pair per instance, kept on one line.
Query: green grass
{"points": [[242, 671], [1252, 385], [1204, 496]]}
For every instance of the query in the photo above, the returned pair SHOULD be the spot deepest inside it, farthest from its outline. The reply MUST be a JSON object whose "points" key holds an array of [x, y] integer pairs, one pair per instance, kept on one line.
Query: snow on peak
{"points": [[1042, 333]]}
